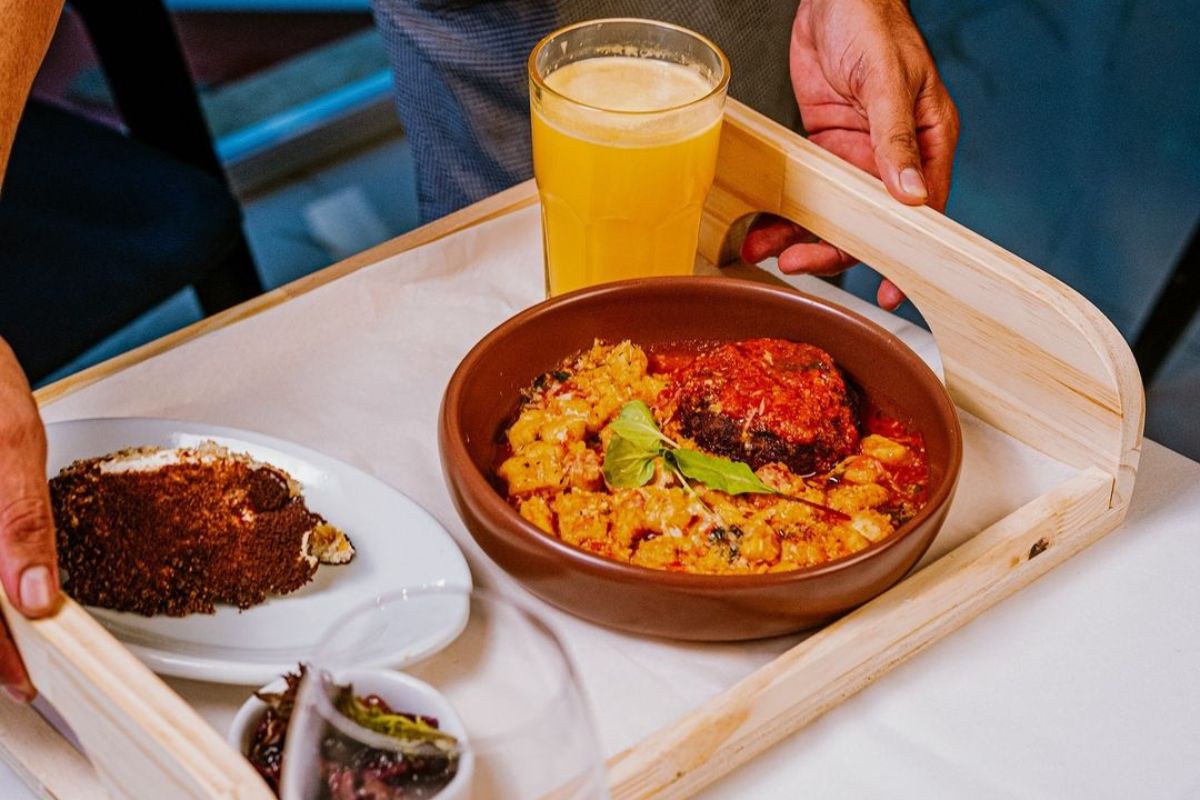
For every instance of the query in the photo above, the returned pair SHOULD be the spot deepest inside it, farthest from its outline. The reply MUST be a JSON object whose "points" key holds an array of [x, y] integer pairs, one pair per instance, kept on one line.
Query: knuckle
{"points": [[25, 523], [902, 140], [955, 119], [946, 108], [858, 74], [859, 71]]}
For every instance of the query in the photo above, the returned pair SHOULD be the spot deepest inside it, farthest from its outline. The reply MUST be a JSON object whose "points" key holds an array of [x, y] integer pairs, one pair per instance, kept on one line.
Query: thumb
{"points": [[889, 106], [28, 568]]}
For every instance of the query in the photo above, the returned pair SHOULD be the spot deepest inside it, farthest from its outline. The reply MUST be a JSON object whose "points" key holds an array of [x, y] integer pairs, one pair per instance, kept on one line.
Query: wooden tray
{"points": [[1021, 351]]}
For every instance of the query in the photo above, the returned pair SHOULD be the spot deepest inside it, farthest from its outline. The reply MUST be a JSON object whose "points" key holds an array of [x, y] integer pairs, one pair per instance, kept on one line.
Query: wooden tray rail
{"points": [[1020, 350]]}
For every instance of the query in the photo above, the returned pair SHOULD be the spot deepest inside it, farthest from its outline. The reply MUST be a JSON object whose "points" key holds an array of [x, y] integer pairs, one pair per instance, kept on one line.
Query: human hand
{"points": [[28, 563], [869, 92]]}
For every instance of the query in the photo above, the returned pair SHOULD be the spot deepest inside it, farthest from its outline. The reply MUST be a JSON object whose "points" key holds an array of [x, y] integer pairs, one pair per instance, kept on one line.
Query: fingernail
{"points": [[16, 695], [37, 591], [912, 183]]}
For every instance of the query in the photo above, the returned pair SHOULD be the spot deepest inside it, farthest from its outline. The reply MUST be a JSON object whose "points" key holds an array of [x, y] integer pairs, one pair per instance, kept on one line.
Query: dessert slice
{"points": [[175, 532]]}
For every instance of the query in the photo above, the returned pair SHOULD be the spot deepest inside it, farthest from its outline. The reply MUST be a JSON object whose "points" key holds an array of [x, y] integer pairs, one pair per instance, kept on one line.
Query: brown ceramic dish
{"points": [[485, 389]]}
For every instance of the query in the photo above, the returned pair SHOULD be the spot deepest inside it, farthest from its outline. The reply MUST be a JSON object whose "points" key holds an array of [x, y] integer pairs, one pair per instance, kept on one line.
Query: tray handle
{"points": [[141, 738], [1021, 350]]}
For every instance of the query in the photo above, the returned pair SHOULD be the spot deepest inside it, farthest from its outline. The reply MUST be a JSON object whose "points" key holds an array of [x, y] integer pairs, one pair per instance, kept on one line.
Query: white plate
{"points": [[398, 544]]}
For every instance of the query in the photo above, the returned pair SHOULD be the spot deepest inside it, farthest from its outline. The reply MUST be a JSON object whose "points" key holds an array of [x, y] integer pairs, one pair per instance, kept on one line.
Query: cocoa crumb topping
{"points": [[181, 537]]}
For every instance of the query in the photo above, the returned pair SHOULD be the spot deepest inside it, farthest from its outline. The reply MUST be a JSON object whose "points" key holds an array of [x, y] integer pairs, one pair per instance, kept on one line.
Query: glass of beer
{"points": [[626, 119]]}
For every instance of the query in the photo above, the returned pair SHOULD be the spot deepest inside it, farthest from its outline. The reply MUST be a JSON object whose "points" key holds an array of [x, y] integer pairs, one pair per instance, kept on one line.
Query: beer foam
{"points": [[629, 84]]}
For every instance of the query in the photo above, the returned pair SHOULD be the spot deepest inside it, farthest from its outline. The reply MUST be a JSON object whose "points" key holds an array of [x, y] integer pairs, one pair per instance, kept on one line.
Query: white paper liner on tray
{"points": [[356, 369]]}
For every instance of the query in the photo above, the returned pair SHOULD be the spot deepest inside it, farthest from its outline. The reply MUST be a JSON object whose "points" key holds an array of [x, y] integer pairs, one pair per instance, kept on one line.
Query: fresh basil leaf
{"points": [[731, 477], [636, 424], [627, 464], [636, 441]]}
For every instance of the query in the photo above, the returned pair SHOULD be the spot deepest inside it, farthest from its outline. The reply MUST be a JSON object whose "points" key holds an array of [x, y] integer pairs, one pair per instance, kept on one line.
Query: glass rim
{"points": [[568, 679], [719, 88]]}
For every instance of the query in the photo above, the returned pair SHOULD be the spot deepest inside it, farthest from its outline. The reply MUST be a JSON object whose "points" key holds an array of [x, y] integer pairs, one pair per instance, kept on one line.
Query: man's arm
{"points": [[28, 569], [24, 36]]}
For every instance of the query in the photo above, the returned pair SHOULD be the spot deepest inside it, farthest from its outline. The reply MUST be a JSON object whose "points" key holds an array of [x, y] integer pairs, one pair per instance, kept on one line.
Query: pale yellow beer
{"points": [[624, 150]]}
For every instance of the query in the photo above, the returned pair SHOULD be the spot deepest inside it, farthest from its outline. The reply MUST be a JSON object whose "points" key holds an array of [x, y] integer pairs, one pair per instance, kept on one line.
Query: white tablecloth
{"points": [[1086, 684]]}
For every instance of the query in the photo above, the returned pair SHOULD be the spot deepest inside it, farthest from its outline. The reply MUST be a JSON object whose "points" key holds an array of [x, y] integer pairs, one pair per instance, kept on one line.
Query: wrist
{"points": [[819, 8]]}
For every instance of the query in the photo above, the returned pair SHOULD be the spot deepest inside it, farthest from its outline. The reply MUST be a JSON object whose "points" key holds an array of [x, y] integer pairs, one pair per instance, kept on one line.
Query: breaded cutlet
{"points": [[769, 400]]}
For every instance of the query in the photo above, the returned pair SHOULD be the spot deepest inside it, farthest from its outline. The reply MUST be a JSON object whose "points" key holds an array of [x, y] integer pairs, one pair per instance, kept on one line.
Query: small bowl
{"points": [[400, 691], [484, 392]]}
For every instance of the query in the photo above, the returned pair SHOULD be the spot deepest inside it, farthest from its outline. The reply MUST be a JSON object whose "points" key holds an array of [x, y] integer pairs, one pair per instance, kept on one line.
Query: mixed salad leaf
{"points": [[419, 762]]}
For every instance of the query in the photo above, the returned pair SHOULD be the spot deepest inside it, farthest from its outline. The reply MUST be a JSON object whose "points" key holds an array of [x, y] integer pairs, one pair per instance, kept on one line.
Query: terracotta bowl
{"points": [[484, 393]]}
